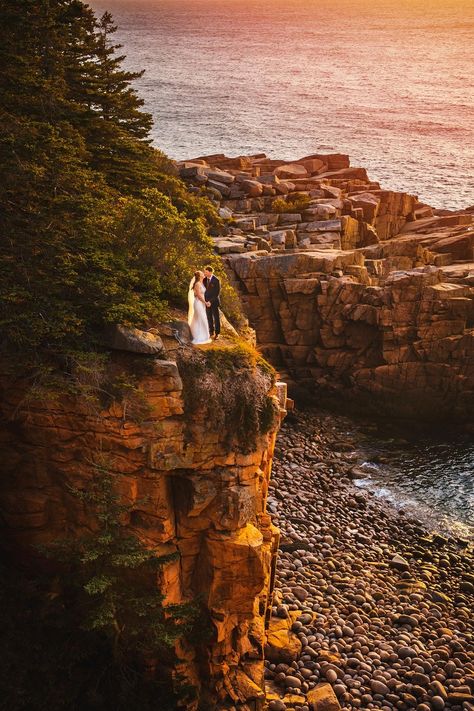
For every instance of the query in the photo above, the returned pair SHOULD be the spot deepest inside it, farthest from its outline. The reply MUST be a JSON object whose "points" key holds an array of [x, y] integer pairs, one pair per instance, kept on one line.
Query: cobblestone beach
{"points": [[371, 609]]}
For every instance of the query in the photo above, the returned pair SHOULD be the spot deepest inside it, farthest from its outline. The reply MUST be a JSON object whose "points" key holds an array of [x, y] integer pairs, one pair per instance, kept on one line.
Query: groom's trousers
{"points": [[213, 318]]}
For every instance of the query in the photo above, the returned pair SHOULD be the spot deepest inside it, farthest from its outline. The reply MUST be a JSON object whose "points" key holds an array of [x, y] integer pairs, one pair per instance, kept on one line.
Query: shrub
{"points": [[116, 576], [96, 228], [232, 385], [295, 202], [95, 380]]}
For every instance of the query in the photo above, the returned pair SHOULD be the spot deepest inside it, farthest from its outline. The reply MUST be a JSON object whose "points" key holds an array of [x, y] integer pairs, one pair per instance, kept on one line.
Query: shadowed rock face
{"points": [[410, 338], [191, 494], [355, 288]]}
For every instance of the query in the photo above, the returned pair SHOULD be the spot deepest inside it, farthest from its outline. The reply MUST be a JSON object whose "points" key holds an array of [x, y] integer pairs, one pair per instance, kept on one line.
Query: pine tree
{"points": [[115, 99], [115, 576], [74, 150], [116, 130]]}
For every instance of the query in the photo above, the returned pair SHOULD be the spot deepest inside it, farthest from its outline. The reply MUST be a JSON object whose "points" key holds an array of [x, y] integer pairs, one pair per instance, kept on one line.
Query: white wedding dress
{"points": [[197, 317]]}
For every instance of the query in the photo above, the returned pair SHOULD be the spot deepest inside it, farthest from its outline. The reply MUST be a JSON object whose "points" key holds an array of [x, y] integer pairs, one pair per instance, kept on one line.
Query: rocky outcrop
{"points": [[411, 337], [350, 287], [342, 206], [192, 494]]}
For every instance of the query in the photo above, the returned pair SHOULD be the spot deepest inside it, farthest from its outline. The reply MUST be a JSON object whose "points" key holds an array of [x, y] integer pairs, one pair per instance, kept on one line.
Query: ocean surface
{"points": [[427, 473], [390, 82]]}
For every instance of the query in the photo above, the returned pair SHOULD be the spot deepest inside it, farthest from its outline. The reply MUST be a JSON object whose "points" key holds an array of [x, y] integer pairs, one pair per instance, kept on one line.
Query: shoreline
{"points": [[276, 154], [380, 445], [380, 608]]}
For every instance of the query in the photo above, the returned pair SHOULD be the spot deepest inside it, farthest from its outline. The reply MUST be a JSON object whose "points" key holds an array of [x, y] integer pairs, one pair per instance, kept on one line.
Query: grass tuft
{"points": [[229, 385]]}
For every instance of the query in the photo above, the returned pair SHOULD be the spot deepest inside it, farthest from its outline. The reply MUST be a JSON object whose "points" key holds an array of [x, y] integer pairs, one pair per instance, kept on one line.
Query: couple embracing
{"points": [[204, 302]]}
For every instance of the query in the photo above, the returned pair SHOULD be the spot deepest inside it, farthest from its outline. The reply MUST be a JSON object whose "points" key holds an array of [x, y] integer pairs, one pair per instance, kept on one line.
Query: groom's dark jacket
{"points": [[213, 289]]}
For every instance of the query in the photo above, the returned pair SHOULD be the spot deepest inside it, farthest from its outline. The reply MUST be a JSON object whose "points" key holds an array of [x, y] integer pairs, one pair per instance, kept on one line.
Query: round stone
{"points": [[276, 705], [300, 593], [293, 681], [405, 652], [331, 676], [378, 687]]}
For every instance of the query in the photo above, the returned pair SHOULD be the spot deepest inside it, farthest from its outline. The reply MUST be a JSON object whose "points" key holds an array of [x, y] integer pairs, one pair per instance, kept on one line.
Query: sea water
{"points": [[424, 471], [391, 82]]}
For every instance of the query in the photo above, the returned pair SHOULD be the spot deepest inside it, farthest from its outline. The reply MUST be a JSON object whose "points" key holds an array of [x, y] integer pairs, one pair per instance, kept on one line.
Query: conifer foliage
{"points": [[116, 575], [76, 163], [94, 229]]}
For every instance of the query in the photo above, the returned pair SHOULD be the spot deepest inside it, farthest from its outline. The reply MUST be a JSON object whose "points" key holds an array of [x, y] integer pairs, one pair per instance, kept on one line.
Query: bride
{"points": [[197, 316]]}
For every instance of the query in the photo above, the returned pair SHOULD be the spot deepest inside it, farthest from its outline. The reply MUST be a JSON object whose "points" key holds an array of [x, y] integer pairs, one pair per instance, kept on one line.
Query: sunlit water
{"points": [[428, 475], [389, 82]]}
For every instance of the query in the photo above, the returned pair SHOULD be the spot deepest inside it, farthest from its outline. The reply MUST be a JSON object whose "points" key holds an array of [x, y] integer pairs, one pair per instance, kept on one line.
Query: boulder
{"points": [[227, 246], [268, 179], [225, 213], [220, 176], [222, 188], [323, 698], [333, 161], [247, 224], [291, 170], [369, 204], [277, 239], [325, 239], [284, 187], [286, 218], [133, 340], [321, 211], [347, 174], [252, 187], [331, 191], [282, 644], [312, 165], [282, 238], [228, 586], [190, 171], [459, 246], [324, 226]]}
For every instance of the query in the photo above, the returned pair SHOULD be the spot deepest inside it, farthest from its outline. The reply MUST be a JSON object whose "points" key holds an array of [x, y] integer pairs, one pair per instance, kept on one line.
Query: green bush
{"points": [[229, 387], [295, 202], [96, 228], [116, 576]]}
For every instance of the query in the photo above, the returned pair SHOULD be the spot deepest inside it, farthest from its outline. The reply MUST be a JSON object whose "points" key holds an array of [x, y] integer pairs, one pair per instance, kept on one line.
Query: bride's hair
{"points": [[197, 278]]}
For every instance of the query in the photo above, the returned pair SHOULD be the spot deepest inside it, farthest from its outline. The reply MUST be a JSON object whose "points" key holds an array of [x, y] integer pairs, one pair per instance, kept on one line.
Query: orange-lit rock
{"points": [[323, 698], [283, 645], [373, 295], [190, 492]]}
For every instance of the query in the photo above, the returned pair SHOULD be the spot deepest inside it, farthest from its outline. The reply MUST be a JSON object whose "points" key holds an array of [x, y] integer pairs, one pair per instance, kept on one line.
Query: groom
{"points": [[211, 296]]}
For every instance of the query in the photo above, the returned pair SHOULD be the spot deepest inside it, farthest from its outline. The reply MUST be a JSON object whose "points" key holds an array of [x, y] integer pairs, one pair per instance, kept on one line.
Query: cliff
{"points": [[350, 288], [193, 492]]}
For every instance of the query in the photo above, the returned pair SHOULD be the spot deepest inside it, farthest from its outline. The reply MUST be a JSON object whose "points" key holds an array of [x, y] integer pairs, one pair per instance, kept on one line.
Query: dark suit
{"points": [[213, 289]]}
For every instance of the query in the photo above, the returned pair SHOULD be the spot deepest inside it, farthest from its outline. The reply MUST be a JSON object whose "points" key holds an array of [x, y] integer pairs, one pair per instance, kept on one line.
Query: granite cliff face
{"points": [[349, 287], [192, 494]]}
